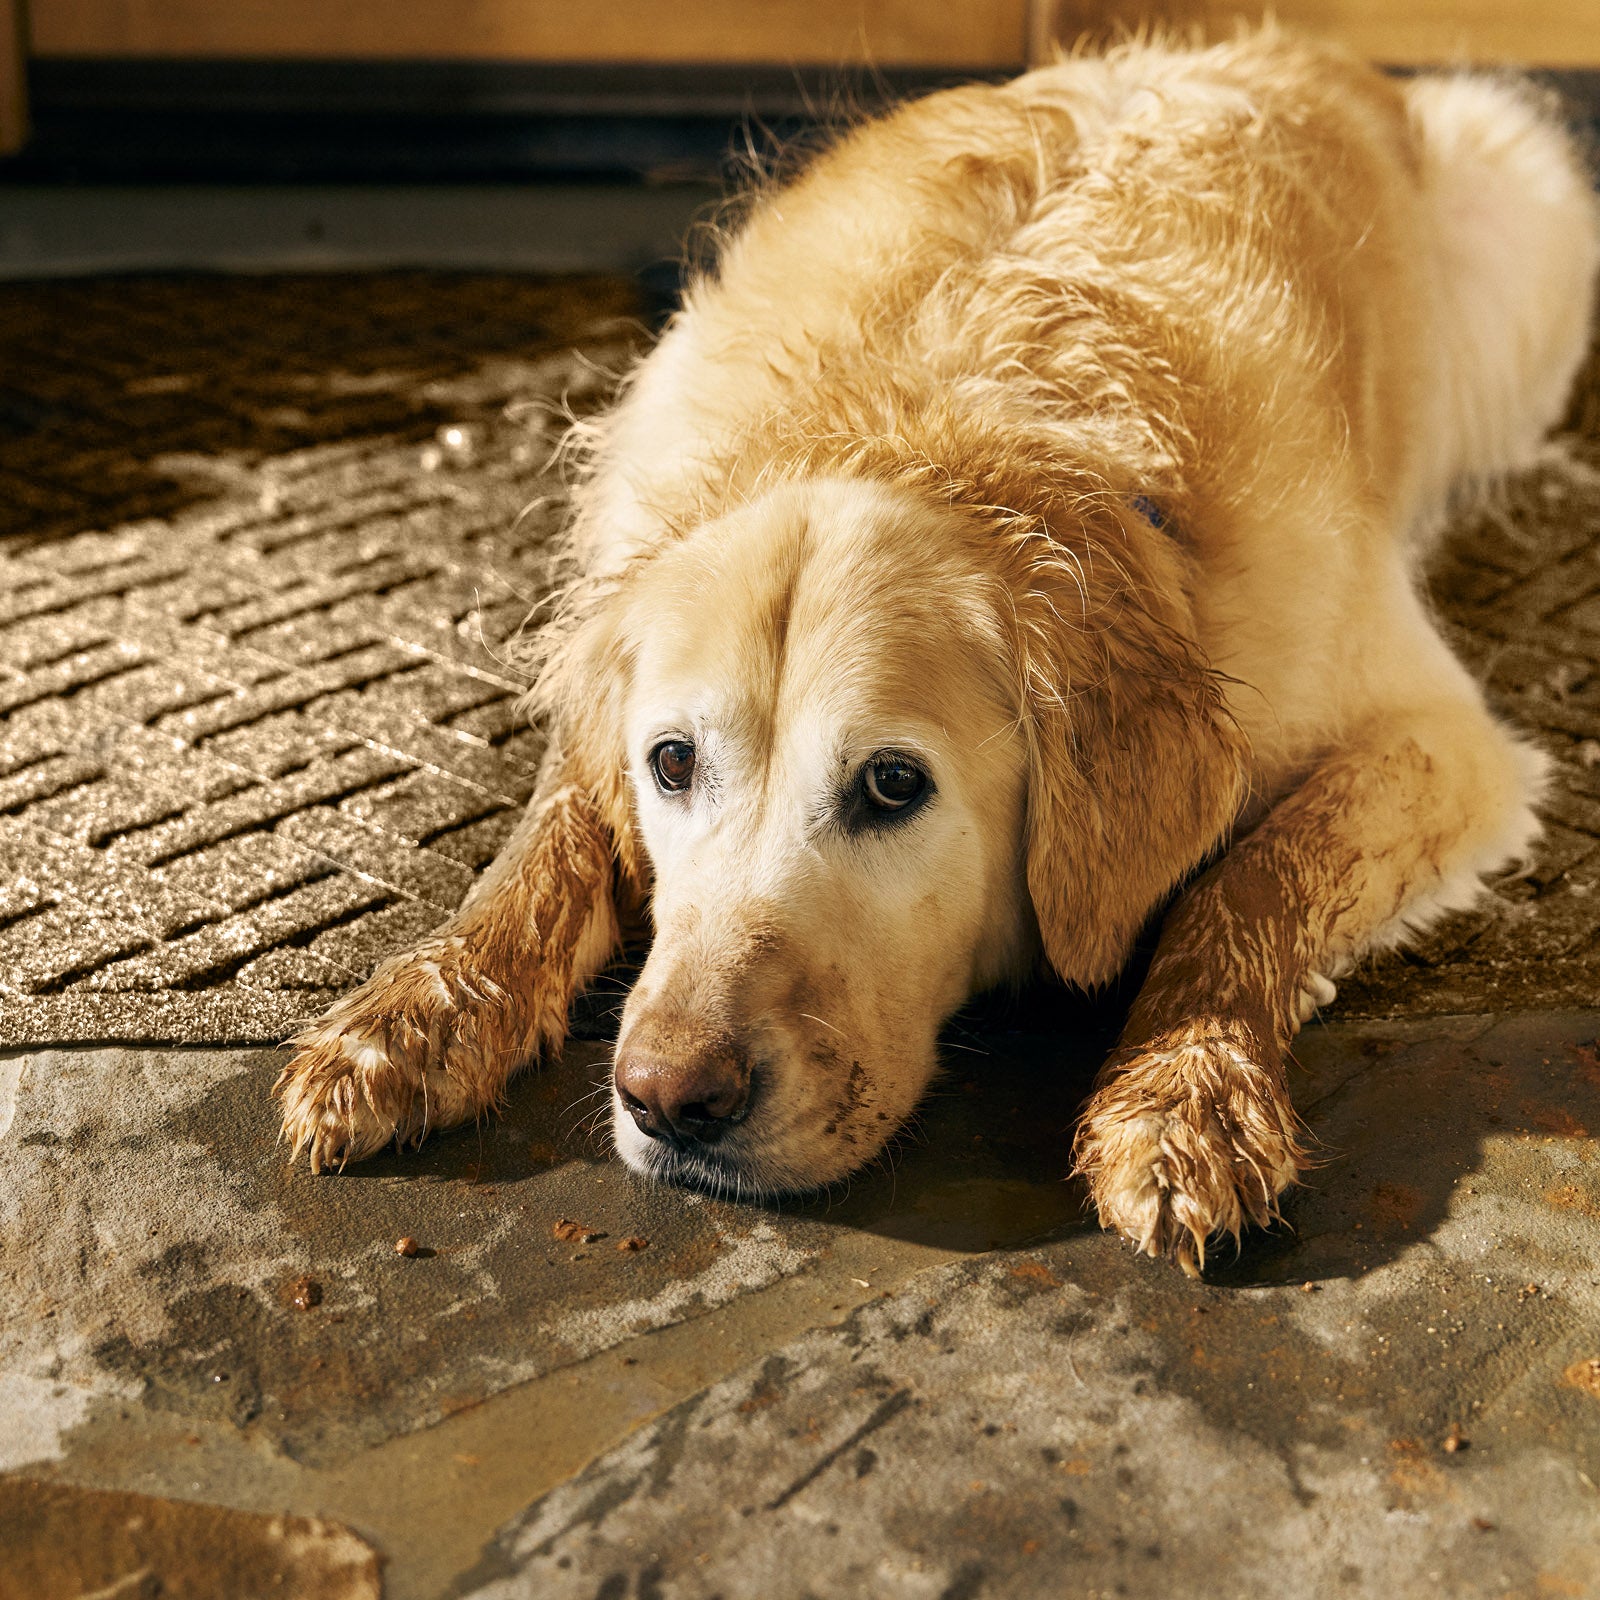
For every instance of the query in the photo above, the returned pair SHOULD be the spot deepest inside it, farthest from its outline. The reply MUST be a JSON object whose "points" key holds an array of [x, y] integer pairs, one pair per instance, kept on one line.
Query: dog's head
{"points": [[876, 757]]}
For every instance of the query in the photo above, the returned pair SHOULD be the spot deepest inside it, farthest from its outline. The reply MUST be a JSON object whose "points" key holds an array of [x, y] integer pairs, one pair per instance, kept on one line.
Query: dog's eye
{"points": [[673, 764], [892, 782]]}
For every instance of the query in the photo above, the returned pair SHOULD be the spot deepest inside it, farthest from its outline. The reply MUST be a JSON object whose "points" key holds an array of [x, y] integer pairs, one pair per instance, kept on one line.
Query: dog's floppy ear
{"points": [[1136, 768], [580, 692]]}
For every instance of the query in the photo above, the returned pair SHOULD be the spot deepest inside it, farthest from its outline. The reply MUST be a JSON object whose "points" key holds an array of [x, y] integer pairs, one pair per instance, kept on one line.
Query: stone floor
{"points": [[218, 1373], [260, 542]]}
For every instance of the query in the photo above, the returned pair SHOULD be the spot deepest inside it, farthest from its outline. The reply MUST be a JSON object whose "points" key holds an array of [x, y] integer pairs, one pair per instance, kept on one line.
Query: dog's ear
{"points": [[1136, 768], [580, 694]]}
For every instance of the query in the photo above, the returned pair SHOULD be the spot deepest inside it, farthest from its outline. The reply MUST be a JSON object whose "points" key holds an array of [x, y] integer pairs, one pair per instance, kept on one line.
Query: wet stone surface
{"points": [[941, 1381], [159, 1244], [1380, 1401]]}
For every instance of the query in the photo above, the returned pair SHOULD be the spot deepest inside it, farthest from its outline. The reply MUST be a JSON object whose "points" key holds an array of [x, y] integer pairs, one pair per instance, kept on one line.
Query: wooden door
{"points": [[1530, 33], [13, 101], [961, 33]]}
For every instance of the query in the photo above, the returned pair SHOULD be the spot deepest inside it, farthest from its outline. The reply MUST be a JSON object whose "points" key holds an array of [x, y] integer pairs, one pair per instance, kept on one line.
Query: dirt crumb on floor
{"points": [[576, 1232], [1584, 1374]]}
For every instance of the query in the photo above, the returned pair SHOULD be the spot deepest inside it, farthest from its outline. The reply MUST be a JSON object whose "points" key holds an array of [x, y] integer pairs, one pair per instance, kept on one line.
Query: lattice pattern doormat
{"points": [[258, 538], [261, 736]]}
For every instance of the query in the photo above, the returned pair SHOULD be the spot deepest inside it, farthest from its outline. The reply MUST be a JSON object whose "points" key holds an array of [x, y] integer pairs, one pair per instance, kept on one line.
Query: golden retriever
{"points": [[1021, 523]]}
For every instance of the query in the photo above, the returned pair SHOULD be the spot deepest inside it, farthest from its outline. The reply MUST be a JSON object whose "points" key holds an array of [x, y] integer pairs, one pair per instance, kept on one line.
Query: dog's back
{"points": [[1159, 260], [1280, 296]]}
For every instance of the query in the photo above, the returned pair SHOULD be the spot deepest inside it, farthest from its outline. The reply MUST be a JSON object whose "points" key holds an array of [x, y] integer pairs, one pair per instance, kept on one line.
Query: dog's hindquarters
{"points": [[1511, 217]]}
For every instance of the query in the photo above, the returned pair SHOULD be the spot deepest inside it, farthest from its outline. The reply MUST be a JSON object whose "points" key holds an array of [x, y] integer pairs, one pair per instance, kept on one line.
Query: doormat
{"points": [[260, 542]]}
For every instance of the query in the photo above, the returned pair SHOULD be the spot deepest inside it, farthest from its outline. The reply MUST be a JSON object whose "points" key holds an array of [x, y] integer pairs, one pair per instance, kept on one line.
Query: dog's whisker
{"points": [[603, 1088], [820, 1022]]}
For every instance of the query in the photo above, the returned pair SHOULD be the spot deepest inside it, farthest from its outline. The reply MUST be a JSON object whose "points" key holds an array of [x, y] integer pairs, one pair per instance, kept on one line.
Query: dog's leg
{"points": [[431, 1038], [1189, 1132]]}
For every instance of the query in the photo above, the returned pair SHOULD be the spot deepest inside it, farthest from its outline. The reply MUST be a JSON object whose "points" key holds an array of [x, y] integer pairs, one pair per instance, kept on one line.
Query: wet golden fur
{"points": [[884, 484]]}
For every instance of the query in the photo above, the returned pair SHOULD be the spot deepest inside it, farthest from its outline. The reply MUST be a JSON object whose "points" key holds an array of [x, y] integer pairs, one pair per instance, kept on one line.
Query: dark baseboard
{"points": [[488, 88], [337, 121], [230, 121]]}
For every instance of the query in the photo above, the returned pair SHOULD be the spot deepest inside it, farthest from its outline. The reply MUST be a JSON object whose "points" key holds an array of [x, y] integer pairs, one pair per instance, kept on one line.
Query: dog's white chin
{"points": [[737, 1167]]}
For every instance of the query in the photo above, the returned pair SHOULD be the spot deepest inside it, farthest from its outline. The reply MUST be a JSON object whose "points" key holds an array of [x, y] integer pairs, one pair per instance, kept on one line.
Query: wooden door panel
{"points": [[1542, 33], [968, 33], [13, 100]]}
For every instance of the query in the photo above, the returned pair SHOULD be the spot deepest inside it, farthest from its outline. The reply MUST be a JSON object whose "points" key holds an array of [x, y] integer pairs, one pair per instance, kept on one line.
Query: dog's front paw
{"points": [[422, 1044], [1188, 1138]]}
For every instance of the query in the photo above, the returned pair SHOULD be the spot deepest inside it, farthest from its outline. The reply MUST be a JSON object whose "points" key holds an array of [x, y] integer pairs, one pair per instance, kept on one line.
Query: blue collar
{"points": [[1150, 511]]}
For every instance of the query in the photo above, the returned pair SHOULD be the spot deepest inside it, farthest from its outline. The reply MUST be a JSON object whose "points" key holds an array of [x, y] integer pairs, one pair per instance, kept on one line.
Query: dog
{"points": [[1019, 527]]}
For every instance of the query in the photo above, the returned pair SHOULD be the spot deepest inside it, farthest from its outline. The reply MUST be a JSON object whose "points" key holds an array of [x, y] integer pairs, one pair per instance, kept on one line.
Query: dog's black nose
{"points": [[683, 1100]]}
